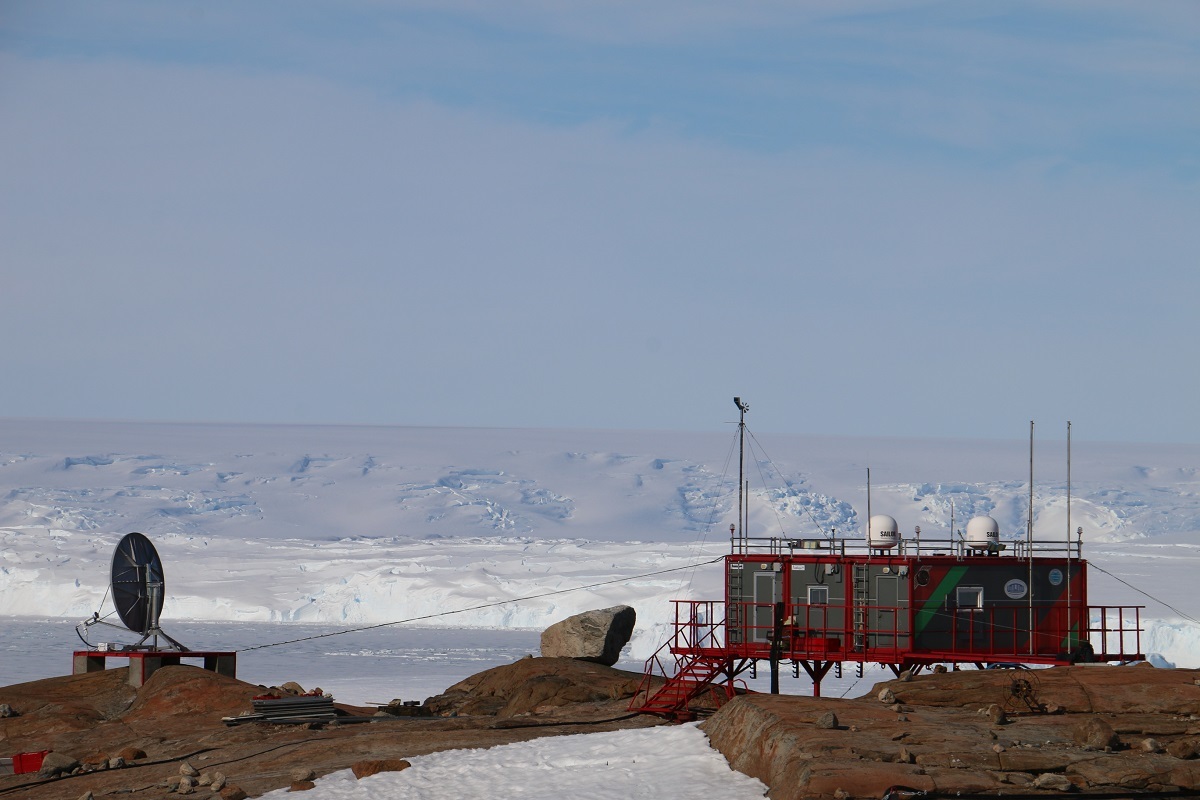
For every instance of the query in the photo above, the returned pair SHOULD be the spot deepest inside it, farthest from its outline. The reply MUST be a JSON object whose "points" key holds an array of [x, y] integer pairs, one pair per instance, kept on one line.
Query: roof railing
{"points": [[912, 547]]}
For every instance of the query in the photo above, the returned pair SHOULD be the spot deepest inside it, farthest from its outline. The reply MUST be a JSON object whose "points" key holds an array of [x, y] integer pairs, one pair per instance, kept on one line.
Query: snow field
{"points": [[653, 763]]}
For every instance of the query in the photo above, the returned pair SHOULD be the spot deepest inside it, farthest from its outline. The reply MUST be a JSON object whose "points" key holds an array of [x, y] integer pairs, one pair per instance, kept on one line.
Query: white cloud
{"points": [[210, 242]]}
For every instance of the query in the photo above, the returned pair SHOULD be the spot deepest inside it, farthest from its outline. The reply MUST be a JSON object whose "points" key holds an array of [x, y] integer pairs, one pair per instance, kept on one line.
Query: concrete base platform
{"points": [[143, 663]]}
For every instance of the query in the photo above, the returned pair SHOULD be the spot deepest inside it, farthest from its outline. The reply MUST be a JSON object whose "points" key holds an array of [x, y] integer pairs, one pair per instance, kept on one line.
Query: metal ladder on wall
{"points": [[733, 612], [861, 600]]}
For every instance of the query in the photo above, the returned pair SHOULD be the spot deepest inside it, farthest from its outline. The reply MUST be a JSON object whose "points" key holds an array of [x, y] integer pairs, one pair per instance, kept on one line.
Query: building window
{"points": [[970, 598], [818, 595]]}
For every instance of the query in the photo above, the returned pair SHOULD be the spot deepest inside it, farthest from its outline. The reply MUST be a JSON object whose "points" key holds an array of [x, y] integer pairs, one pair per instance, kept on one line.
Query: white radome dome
{"points": [[983, 533], [884, 533]]}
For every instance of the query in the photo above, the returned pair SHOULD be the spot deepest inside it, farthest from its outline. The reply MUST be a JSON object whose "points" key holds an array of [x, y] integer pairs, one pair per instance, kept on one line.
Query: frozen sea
{"points": [[357, 668], [368, 666]]}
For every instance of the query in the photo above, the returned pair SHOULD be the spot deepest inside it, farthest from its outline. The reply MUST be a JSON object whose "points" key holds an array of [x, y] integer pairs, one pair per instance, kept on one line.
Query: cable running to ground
{"points": [[1146, 594], [807, 509], [517, 600]]}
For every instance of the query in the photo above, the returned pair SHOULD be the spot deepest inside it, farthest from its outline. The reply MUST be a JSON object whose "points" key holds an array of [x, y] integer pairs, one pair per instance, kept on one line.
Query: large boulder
{"points": [[592, 636]]}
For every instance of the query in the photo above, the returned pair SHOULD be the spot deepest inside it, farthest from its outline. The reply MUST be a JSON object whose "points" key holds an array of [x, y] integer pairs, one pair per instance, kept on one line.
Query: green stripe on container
{"points": [[953, 576], [1072, 639]]}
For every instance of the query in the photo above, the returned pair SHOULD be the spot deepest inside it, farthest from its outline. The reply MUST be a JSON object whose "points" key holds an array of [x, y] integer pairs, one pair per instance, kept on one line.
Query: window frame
{"points": [[959, 593]]}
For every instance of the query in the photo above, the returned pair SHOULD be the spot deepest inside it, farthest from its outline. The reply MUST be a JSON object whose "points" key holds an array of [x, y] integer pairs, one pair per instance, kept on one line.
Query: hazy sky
{"points": [[883, 218]]}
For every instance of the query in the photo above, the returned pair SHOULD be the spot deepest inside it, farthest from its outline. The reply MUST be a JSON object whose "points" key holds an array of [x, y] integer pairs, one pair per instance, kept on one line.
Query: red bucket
{"points": [[28, 762]]}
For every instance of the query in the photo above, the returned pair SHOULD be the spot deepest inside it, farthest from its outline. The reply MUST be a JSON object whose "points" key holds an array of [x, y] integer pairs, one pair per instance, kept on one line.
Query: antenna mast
{"points": [[742, 504], [868, 537], [1070, 621], [1029, 537]]}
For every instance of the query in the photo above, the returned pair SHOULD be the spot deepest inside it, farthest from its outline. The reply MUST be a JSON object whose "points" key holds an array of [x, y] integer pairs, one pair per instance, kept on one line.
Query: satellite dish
{"points": [[138, 588], [137, 583]]}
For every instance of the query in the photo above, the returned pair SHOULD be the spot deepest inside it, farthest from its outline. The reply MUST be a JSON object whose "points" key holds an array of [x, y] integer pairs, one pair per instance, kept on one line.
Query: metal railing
{"points": [[995, 633], [916, 546]]}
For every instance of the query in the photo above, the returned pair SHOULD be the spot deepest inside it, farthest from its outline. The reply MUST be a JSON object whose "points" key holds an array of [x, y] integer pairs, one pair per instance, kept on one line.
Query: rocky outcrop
{"points": [[169, 736], [592, 636], [365, 769], [535, 685], [945, 733]]}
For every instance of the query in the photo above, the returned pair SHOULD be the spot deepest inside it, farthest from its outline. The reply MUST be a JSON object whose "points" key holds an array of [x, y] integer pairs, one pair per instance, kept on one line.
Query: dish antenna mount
{"points": [[138, 588]]}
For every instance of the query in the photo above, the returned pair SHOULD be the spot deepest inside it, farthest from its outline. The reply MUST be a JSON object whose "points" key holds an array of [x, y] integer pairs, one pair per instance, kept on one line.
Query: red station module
{"points": [[906, 603]]}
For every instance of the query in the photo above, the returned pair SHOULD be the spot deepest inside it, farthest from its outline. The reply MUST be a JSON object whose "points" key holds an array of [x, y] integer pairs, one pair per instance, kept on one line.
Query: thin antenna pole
{"points": [[1029, 537], [742, 521], [868, 507], [1070, 628], [1029, 523]]}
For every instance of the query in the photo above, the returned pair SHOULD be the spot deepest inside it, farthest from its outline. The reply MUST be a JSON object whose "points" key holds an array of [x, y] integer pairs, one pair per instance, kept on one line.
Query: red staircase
{"points": [[699, 663], [696, 674]]}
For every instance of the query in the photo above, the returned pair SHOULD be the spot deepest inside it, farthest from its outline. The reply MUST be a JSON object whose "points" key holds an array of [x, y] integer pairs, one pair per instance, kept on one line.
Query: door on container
{"points": [[768, 590], [884, 616]]}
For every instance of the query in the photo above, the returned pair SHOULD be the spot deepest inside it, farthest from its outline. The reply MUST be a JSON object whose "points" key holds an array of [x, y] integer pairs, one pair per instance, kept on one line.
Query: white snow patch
{"points": [[654, 763]]}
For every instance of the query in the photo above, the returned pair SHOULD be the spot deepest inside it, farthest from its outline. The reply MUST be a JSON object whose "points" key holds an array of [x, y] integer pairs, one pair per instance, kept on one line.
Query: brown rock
{"points": [[828, 721], [1185, 775], [1095, 734], [131, 753], [595, 635], [1044, 759], [55, 764], [1182, 749], [532, 683], [1094, 689], [1129, 770], [1017, 778], [233, 793], [547, 691], [363, 769], [184, 691], [1054, 782], [301, 786]]}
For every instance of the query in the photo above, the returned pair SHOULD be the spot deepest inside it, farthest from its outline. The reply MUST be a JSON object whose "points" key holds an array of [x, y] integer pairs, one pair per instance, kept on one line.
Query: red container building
{"points": [[904, 603]]}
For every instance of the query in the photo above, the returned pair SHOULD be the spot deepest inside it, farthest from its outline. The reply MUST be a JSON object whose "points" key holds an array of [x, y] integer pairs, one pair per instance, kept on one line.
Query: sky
{"points": [[884, 219]]}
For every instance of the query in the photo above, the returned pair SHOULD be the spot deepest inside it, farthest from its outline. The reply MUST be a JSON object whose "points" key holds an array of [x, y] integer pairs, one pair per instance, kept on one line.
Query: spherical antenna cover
{"points": [[883, 532], [983, 533], [135, 566]]}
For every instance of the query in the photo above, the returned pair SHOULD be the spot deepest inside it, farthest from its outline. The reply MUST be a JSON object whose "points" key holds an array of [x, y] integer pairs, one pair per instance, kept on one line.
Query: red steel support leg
{"points": [[816, 671]]}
